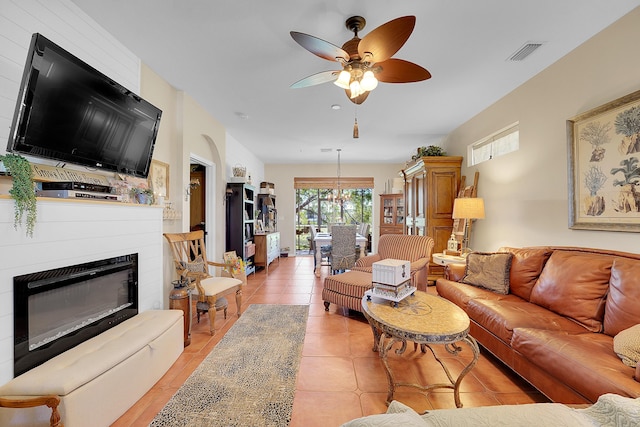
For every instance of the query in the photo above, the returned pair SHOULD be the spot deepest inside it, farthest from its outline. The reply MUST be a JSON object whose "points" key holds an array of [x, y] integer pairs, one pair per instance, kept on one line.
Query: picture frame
{"points": [[159, 178], [604, 167], [229, 256]]}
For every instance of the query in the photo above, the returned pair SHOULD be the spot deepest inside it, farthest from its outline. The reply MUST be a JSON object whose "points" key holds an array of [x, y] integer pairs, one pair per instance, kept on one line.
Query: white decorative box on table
{"points": [[391, 280]]}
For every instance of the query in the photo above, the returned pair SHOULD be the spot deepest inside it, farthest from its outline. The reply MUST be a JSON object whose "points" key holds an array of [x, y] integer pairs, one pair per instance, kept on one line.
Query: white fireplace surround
{"points": [[70, 232]]}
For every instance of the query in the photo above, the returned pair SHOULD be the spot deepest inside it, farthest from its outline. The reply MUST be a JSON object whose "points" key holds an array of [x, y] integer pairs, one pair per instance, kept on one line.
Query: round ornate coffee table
{"points": [[426, 320]]}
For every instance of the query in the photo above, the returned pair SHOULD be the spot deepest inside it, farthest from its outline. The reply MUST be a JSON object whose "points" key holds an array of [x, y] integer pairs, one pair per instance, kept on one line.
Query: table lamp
{"points": [[467, 208]]}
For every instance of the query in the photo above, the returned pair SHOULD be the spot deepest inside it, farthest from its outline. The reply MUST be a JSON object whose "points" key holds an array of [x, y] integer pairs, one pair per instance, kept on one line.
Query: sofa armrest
{"points": [[454, 272], [367, 261]]}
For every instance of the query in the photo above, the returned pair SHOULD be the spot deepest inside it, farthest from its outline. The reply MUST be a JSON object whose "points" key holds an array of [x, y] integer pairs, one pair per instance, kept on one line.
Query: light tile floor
{"points": [[340, 377]]}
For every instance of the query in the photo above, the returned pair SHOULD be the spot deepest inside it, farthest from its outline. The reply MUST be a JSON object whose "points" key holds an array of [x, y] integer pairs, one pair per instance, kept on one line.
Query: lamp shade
{"points": [[468, 208], [343, 79]]}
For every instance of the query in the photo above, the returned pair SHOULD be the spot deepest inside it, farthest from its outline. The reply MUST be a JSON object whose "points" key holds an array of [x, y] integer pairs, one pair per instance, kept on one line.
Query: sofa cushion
{"points": [[398, 414], [585, 362], [526, 266], [627, 345], [622, 309], [489, 271], [503, 315], [460, 293], [575, 285]]}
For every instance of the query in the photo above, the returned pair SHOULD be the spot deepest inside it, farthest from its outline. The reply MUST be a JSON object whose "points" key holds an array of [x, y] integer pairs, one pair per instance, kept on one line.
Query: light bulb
{"points": [[343, 79], [369, 81], [356, 89]]}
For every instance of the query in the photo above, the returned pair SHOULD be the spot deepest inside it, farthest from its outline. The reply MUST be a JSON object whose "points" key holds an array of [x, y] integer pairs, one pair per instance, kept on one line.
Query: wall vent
{"points": [[524, 51]]}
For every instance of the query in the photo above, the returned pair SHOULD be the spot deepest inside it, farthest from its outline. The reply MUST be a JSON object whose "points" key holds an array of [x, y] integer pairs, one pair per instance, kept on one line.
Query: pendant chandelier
{"points": [[337, 196]]}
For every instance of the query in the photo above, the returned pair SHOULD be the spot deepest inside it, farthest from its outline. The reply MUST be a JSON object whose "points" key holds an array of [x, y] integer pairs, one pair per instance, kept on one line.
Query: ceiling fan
{"points": [[366, 61]]}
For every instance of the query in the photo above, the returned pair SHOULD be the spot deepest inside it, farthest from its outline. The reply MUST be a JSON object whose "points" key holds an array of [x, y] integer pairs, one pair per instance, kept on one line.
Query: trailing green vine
{"points": [[23, 191]]}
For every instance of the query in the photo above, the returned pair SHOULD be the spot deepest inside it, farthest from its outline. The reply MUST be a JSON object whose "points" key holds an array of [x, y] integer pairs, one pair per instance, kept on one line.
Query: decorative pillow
{"points": [[489, 271], [627, 345], [196, 266]]}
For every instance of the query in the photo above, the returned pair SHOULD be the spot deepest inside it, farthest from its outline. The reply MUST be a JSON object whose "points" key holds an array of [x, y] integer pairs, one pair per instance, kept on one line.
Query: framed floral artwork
{"points": [[159, 178], [604, 167]]}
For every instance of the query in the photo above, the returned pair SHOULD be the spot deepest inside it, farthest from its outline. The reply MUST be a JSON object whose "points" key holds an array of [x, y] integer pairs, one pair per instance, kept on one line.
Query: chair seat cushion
{"points": [[216, 285]]}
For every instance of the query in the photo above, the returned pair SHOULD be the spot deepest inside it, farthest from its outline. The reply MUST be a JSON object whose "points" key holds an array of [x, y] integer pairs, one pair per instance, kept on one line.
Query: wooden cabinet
{"points": [[241, 223], [431, 185], [392, 214], [267, 249]]}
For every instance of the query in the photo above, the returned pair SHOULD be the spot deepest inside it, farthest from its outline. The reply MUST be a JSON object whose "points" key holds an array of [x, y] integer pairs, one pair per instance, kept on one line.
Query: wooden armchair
{"points": [[191, 264], [31, 402]]}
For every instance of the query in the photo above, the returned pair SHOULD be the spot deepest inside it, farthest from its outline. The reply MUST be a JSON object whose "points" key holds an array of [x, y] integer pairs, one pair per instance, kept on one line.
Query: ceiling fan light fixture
{"points": [[369, 81], [343, 79]]}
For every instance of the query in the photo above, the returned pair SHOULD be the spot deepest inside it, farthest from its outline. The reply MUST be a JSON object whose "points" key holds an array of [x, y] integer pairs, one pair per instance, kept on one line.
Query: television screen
{"points": [[70, 112]]}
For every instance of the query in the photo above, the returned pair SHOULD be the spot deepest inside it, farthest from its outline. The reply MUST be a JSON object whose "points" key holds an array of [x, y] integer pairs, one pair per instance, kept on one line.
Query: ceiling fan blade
{"points": [[316, 79], [383, 42], [400, 71], [319, 47], [358, 99]]}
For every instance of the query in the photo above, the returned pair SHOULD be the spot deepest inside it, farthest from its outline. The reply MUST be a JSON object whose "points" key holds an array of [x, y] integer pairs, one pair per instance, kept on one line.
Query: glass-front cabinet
{"points": [[392, 213]]}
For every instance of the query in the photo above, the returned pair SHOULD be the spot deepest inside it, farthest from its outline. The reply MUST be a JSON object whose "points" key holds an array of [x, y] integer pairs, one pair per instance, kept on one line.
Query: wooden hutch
{"points": [[431, 185]]}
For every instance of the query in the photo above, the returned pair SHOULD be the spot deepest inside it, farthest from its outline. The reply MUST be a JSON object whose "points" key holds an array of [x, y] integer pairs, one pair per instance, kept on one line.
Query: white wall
{"points": [[526, 192], [238, 155]]}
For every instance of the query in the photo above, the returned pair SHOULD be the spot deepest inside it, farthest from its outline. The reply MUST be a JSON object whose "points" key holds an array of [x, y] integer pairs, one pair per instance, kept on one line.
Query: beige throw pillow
{"points": [[196, 266], [626, 344], [489, 271]]}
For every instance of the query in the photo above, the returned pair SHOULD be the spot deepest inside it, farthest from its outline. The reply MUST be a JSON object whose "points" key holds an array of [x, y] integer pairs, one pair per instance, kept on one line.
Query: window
{"points": [[502, 142], [316, 208]]}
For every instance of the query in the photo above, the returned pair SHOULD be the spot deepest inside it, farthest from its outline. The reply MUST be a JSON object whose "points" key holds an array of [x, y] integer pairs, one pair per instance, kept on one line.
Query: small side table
{"points": [[442, 259], [424, 319]]}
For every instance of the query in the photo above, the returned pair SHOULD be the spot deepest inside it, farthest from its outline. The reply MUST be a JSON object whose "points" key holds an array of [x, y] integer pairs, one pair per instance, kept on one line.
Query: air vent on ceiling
{"points": [[326, 150], [526, 50]]}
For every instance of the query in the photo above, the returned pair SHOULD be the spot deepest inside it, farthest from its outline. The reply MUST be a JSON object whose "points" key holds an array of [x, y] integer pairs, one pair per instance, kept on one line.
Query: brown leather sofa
{"points": [[556, 326]]}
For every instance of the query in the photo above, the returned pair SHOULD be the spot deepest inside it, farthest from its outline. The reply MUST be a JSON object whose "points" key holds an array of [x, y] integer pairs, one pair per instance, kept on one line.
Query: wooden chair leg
{"points": [[212, 314], [239, 301]]}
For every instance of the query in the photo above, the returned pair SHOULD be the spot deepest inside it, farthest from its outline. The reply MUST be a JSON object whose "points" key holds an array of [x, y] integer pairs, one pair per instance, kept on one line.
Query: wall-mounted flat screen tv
{"points": [[70, 112]]}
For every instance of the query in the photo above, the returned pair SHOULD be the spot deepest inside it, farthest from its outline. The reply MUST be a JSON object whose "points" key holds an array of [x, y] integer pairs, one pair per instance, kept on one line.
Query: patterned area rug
{"points": [[249, 378]]}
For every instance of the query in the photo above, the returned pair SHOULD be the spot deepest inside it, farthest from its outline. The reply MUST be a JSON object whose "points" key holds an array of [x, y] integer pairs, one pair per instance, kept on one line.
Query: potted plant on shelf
{"points": [[431, 150], [142, 194], [22, 192]]}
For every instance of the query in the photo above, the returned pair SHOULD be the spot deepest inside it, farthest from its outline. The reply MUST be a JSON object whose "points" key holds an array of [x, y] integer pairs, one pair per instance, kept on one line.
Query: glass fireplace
{"points": [[57, 309]]}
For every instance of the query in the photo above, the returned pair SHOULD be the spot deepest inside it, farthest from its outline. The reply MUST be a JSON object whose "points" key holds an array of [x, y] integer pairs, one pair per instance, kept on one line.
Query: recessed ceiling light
{"points": [[336, 107]]}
